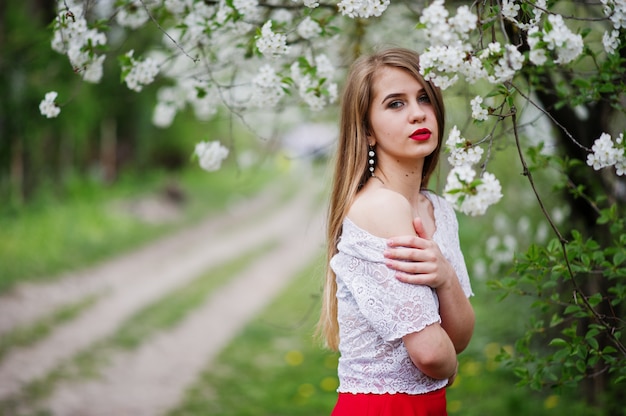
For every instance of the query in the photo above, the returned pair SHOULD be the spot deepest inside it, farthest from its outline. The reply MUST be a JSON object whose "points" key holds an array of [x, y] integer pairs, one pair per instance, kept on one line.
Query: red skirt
{"points": [[399, 404]]}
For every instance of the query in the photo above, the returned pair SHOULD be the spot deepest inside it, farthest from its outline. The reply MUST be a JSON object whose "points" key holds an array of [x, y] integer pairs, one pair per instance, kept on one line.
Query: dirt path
{"points": [[151, 379]]}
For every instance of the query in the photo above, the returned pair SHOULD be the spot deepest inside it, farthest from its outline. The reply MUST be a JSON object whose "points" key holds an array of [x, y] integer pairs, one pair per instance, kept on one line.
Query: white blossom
{"points": [[467, 193], [73, 38], [311, 4], [362, 8], [616, 11], [163, 114], [48, 107], [271, 44], [462, 152], [176, 6], [473, 69], [611, 41], [478, 111], [248, 8], [140, 73], [437, 61], [309, 28], [510, 61], [210, 155], [93, 70], [567, 45], [537, 54], [559, 38], [510, 10], [468, 198], [132, 15], [282, 16], [316, 91], [606, 153], [464, 21], [268, 88]]}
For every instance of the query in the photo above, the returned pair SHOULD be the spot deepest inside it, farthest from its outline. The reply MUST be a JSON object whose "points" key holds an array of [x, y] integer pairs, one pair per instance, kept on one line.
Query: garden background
{"points": [[101, 182]]}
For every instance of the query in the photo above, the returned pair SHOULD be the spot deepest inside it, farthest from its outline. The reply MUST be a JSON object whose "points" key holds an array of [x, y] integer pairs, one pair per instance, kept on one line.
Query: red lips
{"points": [[420, 135]]}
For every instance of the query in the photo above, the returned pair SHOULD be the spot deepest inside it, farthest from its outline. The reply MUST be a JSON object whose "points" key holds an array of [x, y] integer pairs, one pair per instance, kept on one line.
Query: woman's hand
{"points": [[418, 259]]}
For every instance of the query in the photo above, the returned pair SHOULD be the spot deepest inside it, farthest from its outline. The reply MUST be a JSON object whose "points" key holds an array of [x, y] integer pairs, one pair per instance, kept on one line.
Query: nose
{"points": [[418, 115]]}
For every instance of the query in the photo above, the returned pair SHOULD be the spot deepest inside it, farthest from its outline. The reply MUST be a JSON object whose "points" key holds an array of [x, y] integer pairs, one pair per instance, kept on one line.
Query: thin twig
{"points": [[158, 25], [538, 107], [529, 175]]}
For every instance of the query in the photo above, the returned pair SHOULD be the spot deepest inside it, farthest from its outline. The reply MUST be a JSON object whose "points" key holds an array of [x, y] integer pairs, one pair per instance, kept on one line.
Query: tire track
{"points": [[153, 379], [157, 270]]}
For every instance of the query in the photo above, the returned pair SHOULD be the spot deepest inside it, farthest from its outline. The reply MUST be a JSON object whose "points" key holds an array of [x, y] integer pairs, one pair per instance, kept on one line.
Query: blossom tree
{"points": [[525, 62]]}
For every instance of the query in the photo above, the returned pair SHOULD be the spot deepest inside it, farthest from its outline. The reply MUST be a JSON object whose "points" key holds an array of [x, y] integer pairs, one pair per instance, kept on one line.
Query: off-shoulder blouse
{"points": [[375, 310]]}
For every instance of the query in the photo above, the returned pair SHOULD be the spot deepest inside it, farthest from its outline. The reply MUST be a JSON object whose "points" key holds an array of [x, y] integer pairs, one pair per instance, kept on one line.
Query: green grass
{"points": [[58, 233], [29, 334]]}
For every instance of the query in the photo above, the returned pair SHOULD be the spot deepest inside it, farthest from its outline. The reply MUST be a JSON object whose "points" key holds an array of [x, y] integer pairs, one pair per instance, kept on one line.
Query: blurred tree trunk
{"points": [[108, 149]]}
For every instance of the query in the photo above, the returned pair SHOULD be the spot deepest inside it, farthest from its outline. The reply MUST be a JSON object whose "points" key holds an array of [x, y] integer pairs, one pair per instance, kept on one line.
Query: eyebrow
{"points": [[400, 94]]}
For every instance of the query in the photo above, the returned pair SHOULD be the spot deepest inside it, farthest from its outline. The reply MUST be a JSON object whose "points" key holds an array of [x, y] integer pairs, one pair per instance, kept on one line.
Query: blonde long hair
{"points": [[351, 170]]}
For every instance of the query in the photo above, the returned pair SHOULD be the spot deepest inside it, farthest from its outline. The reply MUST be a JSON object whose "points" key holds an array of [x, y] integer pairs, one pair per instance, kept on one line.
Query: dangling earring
{"points": [[371, 160]]}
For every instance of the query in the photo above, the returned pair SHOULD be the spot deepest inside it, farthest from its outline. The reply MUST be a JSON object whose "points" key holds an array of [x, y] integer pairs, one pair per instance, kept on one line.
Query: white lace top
{"points": [[375, 310]]}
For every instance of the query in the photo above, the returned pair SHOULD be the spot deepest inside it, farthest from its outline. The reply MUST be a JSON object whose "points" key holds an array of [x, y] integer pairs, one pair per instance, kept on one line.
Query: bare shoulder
{"points": [[382, 212]]}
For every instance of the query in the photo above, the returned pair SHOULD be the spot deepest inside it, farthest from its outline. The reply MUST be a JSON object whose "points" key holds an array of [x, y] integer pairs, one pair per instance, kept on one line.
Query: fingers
{"points": [[416, 279], [418, 225], [411, 266], [406, 241]]}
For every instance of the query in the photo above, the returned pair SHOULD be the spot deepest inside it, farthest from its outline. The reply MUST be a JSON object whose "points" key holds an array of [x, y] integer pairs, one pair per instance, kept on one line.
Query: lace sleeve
{"points": [[392, 308]]}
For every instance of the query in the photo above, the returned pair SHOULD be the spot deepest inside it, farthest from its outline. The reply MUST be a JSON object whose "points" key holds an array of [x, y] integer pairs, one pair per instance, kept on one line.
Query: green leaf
{"points": [[595, 299], [558, 342]]}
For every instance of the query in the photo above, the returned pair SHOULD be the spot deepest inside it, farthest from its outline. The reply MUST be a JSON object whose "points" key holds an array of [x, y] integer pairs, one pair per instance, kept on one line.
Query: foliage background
{"points": [[106, 147]]}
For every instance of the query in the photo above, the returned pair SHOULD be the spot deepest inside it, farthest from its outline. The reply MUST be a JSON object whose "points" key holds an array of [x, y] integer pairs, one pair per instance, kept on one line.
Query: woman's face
{"points": [[402, 119]]}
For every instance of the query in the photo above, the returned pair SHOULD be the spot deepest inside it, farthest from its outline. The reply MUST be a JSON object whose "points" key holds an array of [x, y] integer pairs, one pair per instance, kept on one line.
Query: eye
{"points": [[423, 98], [395, 104]]}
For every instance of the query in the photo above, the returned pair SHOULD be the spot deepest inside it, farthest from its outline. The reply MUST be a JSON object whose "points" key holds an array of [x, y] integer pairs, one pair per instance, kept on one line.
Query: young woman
{"points": [[396, 308]]}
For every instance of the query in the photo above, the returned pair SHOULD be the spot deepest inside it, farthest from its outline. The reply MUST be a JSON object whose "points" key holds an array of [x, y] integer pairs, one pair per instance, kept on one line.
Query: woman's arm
{"points": [[432, 351], [418, 260], [386, 213]]}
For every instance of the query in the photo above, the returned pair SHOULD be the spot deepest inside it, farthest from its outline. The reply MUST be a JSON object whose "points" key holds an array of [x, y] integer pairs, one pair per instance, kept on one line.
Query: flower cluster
{"points": [[313, 83], [248, 8], [271, 44], [449, 31], [508, 60], [558, 38], [132, 15], [311, 4], [611, 41], [468, 193], [210, 155], [510, 11], [309, 28], [451, 55], [138, 73], [607, 153], [479, 112], [615, 10], [74, 38], [362, 8], [48, 106], [268, 87]]}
